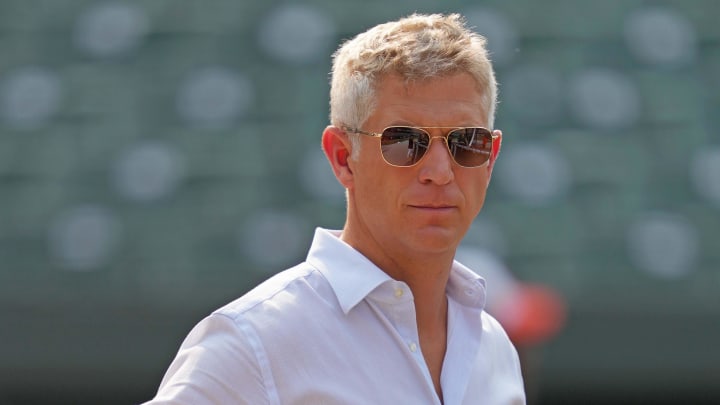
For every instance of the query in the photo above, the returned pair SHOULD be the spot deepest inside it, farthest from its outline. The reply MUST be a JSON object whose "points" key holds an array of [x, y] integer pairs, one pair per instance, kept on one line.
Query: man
{"points": [[379, 313]]}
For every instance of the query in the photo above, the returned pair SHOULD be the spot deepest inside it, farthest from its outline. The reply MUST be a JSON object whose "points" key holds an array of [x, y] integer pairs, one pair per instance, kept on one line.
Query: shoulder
{"points": [[292, 288], [492, 329], [224, 358], [490, 324], [499, 342]]}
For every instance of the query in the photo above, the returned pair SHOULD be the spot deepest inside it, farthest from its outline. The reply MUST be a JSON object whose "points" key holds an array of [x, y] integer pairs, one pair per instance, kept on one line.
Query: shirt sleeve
{"points": [[216, 364]]}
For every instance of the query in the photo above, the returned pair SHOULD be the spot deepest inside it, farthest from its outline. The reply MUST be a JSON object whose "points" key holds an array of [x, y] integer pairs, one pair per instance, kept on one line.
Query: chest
{"points": [[370, 356]]}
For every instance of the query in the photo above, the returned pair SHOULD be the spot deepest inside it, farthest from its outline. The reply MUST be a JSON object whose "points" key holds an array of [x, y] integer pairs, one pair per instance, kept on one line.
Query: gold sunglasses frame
{"points": [[347, 129]]}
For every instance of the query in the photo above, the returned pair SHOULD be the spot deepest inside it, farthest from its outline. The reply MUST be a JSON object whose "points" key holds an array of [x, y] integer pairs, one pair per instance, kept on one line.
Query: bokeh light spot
{"points": [[663, 245], [84, 237], [661, 36], [110, 29], [296, 33], [148, 171], [29, 97], [604, 99], [534, 173], [214, 97], [274, 239]]}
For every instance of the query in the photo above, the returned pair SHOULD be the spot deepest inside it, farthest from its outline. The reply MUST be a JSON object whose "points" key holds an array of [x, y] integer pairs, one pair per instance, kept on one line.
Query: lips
{"points": [[433, 206]]}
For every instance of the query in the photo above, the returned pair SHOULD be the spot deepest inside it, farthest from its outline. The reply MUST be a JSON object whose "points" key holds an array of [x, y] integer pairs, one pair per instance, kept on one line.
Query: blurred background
{"points": [[159, 158]]}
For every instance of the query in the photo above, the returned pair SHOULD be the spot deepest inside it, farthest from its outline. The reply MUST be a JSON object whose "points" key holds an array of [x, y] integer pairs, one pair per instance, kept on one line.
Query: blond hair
{"points": [[416, 47]]}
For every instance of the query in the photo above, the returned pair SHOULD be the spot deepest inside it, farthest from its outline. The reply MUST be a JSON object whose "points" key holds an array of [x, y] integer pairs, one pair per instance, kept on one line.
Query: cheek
{"points": [[370, 184], [475, 190]]}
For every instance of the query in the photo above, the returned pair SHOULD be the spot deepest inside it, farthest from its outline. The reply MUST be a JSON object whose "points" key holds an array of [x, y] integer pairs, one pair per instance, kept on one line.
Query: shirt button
{"points": [[413, 347], [399, 292], [470, 292]]}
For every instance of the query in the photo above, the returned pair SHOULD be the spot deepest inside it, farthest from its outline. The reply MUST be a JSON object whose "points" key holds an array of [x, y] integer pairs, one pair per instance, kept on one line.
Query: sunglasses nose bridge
{"points": [[444, 139]]}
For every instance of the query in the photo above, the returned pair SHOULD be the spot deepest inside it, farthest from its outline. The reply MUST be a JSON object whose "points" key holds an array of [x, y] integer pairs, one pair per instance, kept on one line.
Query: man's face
{"points": [[426, 208]]}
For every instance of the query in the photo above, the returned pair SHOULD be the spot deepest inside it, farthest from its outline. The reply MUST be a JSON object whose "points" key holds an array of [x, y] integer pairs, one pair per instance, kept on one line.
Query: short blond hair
{"points": [[416, 47]]}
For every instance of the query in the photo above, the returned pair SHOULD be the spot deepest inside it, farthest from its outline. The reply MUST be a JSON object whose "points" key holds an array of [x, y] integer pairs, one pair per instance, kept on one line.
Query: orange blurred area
{"points": [[532, 315]]}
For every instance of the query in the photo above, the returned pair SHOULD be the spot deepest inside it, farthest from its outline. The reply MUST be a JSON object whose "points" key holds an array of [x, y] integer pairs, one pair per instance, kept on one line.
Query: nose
{"points": [[437, 164]]}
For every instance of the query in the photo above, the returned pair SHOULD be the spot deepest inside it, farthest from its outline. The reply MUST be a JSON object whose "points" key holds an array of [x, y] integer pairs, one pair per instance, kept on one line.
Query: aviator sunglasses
{"points": [[405, 146]]}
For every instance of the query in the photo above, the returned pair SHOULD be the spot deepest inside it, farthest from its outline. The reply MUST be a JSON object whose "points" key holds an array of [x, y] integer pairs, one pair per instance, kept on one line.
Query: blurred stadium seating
{"points": [[160, 158]]}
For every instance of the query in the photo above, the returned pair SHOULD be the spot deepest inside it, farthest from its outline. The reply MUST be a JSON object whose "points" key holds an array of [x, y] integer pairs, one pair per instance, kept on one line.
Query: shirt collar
{"points": [[352, 276], [466, 287]]}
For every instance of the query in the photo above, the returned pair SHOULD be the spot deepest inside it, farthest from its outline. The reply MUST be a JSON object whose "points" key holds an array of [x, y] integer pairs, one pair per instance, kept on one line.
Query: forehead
{"points": [[452, 100]]}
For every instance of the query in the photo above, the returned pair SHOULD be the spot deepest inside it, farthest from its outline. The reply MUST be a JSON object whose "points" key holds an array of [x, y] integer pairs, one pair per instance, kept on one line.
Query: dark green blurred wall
{"points": [[159, 158]]}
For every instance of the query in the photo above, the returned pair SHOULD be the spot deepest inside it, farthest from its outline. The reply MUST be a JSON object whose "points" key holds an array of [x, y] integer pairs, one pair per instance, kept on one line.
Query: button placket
{"points": [[400, 310], [404, 314]]}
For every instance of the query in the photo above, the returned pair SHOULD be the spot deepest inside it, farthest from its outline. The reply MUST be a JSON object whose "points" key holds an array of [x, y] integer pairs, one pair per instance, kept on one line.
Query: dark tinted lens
{"points": [[403, 146], [471, 147]]}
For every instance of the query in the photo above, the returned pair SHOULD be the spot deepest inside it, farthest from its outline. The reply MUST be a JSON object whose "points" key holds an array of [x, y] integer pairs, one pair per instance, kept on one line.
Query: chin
{"points": [[437, 239]]}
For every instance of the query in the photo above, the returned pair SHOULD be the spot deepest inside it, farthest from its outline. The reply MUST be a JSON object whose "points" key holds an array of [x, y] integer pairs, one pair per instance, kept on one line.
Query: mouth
{"points": [[433, 207]]}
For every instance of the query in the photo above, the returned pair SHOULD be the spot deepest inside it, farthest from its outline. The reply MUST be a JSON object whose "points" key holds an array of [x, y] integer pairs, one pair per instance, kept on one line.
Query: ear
{"points": [[337, 148], [497, 144]]}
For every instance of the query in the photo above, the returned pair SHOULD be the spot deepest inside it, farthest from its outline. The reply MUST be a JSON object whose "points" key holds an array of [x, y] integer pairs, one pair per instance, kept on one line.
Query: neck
{"points": [[427, 281]]}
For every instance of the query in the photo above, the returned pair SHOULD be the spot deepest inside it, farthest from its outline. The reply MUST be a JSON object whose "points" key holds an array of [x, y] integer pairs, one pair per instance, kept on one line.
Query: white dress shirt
{"points": [[338, 330]]}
